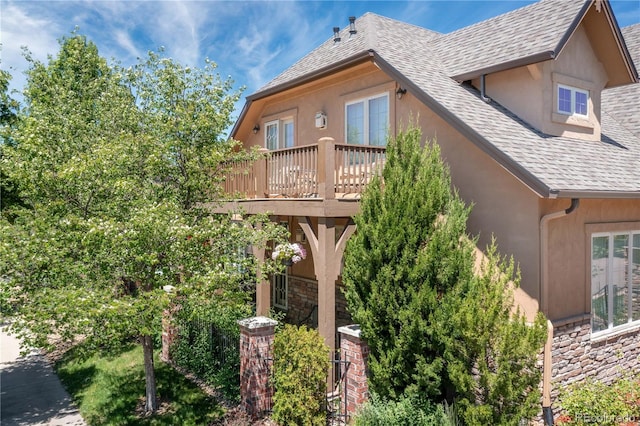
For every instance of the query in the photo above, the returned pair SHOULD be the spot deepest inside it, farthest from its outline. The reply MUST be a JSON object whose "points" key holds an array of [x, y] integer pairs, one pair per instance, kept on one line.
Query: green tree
{"points": [[407, 253], [8, 119], [114, 165], [434, 326]]}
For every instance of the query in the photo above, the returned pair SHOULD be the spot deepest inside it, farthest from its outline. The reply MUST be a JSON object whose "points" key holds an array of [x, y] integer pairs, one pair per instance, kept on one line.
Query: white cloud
{"points": [[20, 27]]}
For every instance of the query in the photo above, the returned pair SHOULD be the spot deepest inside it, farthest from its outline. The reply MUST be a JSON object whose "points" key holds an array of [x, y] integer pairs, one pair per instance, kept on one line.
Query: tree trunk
{"points": [[151, 404]]}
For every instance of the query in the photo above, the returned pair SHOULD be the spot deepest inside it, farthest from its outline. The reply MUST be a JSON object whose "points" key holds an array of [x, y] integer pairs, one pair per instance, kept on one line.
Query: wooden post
{"points": [[326, 274], [263, 284], [326, 168], [327, 259], [261, 174]]}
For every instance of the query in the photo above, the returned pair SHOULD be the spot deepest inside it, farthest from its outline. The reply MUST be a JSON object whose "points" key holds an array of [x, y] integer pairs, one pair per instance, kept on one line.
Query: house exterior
{"points": [[537, 115]]}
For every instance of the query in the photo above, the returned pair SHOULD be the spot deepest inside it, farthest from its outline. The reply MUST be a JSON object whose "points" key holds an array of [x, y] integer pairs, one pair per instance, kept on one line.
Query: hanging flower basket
{"points": [[289, 253]]}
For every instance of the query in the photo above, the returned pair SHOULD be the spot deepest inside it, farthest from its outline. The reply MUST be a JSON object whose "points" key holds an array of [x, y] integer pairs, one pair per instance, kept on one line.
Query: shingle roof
{"points": [[537, 29], [622, 102], [423, 61]]}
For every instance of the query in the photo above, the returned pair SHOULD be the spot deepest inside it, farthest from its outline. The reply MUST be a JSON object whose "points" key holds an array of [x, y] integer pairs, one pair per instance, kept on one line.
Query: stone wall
{"points": [[577, 357]]}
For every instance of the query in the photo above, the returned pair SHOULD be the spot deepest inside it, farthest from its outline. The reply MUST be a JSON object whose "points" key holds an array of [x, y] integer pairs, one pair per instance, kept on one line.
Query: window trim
{"points": [[601, 230], [280, 120], [366, 130], [573, 90], [268, 124]]}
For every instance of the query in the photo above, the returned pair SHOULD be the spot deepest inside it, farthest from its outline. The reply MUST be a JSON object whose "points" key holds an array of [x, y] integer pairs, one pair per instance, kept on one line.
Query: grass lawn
{"points": [[109, 390]]}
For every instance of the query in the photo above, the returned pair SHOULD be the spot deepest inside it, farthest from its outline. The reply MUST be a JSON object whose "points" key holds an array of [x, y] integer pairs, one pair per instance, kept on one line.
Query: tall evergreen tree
{"points": [[408, 252], [435, 325]]}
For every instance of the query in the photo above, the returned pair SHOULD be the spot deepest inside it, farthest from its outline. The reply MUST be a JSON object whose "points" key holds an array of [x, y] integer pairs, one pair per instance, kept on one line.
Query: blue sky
{"points": [[251, 41]]}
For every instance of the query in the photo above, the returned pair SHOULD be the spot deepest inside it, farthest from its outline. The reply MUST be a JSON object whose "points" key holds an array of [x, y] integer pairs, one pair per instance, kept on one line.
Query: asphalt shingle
{"points": [[429, 60]]}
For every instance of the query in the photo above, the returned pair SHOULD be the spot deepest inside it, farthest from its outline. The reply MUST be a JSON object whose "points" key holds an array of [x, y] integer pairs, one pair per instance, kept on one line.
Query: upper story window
{"points": [[279, 134], [615, 280], [572, 101], [367, 120]]}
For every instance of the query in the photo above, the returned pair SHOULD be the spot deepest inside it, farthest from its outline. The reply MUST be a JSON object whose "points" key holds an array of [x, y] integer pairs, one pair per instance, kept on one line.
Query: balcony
{"points": [[322, 171]]}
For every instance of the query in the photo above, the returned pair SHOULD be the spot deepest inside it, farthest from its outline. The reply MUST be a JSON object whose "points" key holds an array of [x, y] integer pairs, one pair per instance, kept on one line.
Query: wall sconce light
{"points": [[321, 120], [400, 92], [256, 129]]}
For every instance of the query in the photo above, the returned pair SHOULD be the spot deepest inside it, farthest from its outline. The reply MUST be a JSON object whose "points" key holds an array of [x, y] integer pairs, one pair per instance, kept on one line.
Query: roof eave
{"points": [[360, 57], [633, 71], [319, 73], [516, 63], [597, 194], [240, 119]]}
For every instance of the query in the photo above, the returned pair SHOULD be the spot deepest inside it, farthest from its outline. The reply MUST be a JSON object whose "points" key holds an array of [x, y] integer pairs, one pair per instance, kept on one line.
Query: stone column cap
{"points": [[257, 322], [351, 330]]}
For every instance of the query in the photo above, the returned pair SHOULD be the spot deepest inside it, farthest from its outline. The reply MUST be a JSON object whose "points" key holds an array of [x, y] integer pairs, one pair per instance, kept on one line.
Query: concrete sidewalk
{"points": [[30, 392]]}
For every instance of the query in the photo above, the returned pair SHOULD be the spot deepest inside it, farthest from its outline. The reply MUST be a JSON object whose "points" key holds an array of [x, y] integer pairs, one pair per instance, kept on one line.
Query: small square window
{"points": [[572, 101]]}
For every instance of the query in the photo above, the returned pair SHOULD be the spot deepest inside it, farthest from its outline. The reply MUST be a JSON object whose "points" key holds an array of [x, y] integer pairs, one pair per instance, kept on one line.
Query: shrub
{"points": [[593, 402], [407, 411], [300, 368]]}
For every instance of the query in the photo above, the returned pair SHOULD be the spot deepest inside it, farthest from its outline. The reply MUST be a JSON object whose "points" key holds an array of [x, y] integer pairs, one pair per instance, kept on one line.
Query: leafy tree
{"points": [[114, 165], [8, 120], [435, 326]]}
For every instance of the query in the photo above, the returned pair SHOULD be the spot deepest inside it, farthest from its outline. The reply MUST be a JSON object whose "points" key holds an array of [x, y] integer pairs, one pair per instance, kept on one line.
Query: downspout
{"points": [[483, 93], [547, 412]]}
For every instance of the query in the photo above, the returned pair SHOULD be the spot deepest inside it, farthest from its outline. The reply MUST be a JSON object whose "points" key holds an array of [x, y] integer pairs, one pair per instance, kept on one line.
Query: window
{"points": [[279, 284], [367, 121], [279, 134], [572, 101], [615, 280]]}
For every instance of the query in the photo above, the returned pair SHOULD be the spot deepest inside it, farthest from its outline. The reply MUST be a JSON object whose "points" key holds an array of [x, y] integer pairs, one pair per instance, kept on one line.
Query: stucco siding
{"points": [[569, 245]]}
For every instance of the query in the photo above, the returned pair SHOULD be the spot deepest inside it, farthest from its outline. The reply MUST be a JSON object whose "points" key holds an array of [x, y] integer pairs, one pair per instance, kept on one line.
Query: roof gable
{"points": [[550, 166], [527, 35]]}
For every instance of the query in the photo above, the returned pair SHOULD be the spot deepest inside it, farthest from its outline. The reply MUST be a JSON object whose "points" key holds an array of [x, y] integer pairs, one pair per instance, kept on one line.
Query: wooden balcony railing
{"points": [[323, 170]]}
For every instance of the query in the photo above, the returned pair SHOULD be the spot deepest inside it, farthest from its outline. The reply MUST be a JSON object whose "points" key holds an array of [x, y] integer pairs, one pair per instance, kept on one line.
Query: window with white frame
{"points": [[615, 280], [572, 101], [280, 283], [279, 134], [367, 120]]}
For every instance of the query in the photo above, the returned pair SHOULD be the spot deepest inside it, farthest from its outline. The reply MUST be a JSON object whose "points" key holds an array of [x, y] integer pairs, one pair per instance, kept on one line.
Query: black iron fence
{"points": [[209, 350]]}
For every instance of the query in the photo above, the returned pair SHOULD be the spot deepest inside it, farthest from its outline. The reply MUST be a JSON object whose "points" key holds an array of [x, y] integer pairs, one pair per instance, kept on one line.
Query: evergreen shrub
{"points": [[406, 411], [300, 368]]}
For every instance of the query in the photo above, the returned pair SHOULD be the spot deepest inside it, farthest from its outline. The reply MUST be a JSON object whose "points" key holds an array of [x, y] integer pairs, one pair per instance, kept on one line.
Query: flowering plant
{"points": [[289, 253]]}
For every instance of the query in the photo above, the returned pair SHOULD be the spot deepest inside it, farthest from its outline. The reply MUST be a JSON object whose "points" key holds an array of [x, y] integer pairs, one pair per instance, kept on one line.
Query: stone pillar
{"points": [[354, 350], [256, 344]]}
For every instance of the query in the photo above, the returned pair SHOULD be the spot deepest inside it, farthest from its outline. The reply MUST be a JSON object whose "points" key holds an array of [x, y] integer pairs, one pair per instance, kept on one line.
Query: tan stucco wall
{"points": [[327, 95], [501, 203], [530, 91], [569, 245]]}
